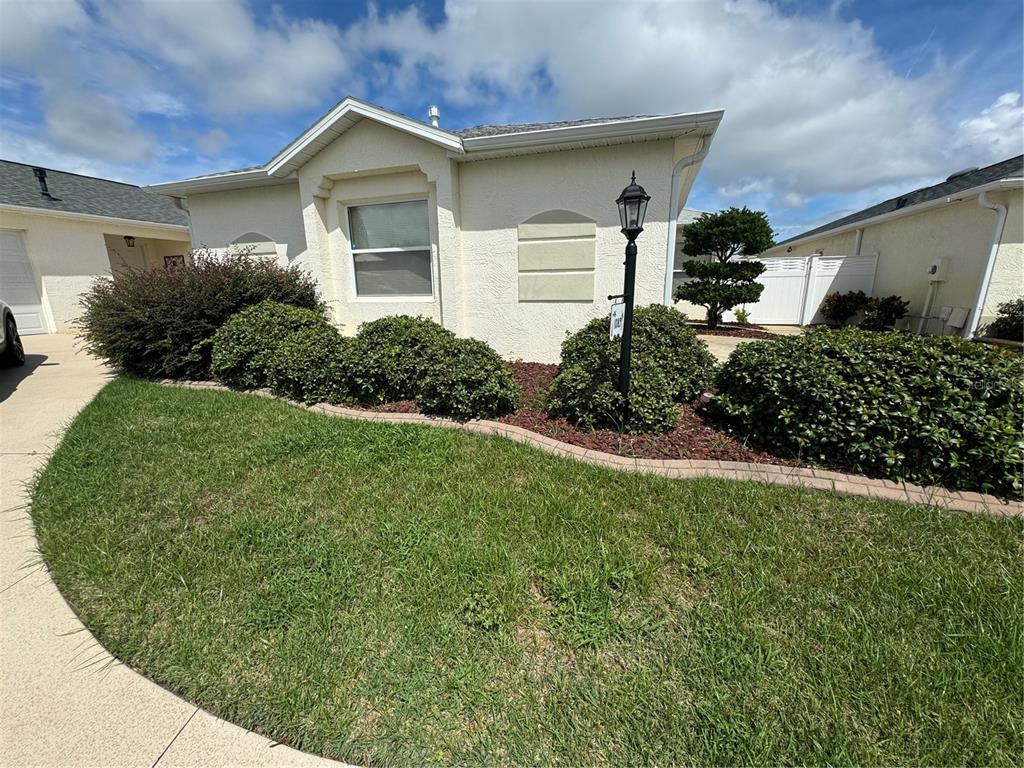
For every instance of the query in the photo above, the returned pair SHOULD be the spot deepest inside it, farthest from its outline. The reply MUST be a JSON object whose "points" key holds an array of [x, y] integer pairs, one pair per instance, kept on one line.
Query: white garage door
{"points": [[17, 284]]}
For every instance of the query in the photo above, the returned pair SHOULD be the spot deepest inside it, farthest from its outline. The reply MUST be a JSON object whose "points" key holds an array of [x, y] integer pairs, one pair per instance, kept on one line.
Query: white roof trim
{"points": [[632, 126], [216, 181], [281, 163], [991, 186], [93, 217]]}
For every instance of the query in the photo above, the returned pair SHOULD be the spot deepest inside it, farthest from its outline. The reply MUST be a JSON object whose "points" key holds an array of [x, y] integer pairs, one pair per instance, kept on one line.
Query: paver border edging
{"points": [[806, 477]]}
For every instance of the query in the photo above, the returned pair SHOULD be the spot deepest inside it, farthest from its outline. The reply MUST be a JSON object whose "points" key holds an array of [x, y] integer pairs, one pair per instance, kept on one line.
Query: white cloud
{"points": [[996, 132]]}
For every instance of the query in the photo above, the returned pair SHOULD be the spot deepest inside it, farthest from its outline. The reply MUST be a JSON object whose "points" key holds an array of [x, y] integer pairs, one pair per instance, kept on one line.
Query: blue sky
{"points": [[829, 106]]}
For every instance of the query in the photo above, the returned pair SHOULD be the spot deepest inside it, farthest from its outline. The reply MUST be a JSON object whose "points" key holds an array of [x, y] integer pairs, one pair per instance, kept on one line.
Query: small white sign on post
{"points": [[617, 321]]}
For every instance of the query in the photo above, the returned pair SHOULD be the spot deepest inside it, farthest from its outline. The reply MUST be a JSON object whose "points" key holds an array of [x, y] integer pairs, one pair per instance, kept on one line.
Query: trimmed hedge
{"points": [[242, 347], [465, 379], [390, 356], [155, 323], [1009, 324], [312, 365], [932, 410], [670, 366]]}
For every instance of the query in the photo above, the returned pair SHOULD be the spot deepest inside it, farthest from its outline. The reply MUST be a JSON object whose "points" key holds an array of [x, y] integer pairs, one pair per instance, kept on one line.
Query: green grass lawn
{"points": [[405, 595]]}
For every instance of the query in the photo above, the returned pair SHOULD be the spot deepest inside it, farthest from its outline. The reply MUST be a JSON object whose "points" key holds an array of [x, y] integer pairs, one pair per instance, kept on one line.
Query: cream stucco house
{"points": [[955, 250], [59, 231], [507, 233]]}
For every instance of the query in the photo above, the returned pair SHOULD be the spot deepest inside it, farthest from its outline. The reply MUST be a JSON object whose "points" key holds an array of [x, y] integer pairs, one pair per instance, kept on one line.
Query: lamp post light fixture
{"points": [[632, 209]]}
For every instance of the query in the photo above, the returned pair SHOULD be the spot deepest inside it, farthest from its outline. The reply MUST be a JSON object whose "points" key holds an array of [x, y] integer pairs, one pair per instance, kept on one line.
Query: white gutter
{"points": [[673, 210], [993, 249], [994, 186], [27, 209]]}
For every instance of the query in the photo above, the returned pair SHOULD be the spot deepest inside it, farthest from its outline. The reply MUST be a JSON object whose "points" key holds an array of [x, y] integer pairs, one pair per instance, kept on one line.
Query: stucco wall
{"points": [[371, 162], [66, 254], [220, 218], [498, 195], [961, 231]]}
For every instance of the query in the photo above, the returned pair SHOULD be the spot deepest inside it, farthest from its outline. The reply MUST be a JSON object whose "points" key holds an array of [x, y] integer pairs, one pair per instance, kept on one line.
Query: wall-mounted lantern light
{"points": [[129, 241]]}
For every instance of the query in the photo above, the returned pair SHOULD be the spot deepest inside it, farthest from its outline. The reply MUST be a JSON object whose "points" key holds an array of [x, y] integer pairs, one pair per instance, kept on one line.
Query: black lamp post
{"points": [[632, 208]]}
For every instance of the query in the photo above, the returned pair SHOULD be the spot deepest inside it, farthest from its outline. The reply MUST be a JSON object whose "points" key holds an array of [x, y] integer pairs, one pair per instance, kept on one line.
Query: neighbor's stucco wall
{"points": [[498, 195], [66, 254], [961, 231], [1007, 281], [220, 218]]}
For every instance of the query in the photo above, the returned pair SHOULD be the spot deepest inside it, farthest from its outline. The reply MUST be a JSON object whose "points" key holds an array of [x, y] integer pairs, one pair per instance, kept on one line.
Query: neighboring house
{"points": [[59, 231], [953, 249], [507, 233]]}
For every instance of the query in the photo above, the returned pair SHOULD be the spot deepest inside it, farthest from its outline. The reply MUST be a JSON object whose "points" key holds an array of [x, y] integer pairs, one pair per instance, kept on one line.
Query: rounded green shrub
{"points": [[240, 348], [465, 379], [1009, 323], [928, 409], [157, 323], [312, 365], [670, 366], [390, 355]]}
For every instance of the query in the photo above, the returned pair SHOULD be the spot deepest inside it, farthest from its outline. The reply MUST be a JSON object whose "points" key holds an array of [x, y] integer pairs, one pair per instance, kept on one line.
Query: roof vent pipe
{"points": [[434, 114], [44, 190]]}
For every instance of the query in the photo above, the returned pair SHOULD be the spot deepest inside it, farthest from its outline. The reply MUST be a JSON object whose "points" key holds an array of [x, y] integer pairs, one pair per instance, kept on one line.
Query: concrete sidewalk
{"points": [[65, 701]]}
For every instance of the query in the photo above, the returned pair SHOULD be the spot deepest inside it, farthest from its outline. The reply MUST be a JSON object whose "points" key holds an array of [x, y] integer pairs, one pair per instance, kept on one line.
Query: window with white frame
{"points": [[391, 249]]}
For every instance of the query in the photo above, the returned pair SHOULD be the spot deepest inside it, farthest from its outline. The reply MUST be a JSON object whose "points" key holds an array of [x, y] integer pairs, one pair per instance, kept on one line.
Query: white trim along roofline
{"points": [[992, 186], [283, 166], [5, 207]]}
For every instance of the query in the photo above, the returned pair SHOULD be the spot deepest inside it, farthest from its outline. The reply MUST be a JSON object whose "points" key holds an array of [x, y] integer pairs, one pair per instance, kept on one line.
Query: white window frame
{"points": [[424, 298]]}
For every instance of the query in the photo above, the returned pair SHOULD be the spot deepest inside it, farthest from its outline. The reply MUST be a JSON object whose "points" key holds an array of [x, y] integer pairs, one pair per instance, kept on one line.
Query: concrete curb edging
{"points": [[806, 477]]}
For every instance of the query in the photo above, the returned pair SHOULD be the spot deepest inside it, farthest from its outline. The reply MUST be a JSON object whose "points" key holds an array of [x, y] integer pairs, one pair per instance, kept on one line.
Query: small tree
{"points": [[720, 285]]}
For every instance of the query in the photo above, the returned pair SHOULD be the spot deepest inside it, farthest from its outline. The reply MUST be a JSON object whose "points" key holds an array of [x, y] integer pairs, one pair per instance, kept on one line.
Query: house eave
{"points": [[992, 186], [112, 220], [219, 182]]}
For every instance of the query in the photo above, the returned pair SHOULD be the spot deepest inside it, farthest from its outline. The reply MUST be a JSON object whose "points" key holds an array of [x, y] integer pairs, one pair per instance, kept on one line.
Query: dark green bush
{"points": [[465, 379], [242, 347], [929, 409], [1009, 324], [154, 323], [312, 365], [389, 357], [881, 314], [840, 307], [670, 366]]}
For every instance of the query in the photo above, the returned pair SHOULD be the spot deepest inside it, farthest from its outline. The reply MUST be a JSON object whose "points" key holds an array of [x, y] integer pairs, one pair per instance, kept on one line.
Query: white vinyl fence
{"points": [[794, 287]]}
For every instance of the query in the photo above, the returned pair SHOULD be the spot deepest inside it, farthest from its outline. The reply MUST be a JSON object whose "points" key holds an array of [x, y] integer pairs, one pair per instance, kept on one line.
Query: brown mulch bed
{"points": [[693, 437], [731, 329]]}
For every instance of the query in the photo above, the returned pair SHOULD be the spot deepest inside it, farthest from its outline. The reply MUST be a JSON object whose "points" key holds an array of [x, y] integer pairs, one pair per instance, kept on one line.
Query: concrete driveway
{"points": [[65, 701]]}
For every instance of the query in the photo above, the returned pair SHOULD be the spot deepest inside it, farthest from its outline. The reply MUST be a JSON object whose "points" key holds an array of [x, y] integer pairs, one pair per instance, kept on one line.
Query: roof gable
{"points": [[88, 195]]}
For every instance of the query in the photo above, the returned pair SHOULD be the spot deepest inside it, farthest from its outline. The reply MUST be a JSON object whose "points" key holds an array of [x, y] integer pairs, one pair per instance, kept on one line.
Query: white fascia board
{"points": [[992, 186], [27, 209], [636, 126], [437, 136], [215, 182]]}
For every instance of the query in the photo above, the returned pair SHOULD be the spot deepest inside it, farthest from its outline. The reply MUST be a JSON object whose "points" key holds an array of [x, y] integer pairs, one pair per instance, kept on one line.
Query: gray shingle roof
{"points": [[500, 130], [1007, 169], [86, 194]]}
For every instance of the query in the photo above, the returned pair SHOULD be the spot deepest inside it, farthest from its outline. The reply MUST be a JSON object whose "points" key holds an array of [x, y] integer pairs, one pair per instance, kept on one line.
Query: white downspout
{"points": [[673, 211], [986, 276]]}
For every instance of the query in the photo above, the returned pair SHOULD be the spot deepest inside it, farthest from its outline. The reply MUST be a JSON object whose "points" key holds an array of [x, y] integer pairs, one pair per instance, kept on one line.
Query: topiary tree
{"points": [[721, 284]]}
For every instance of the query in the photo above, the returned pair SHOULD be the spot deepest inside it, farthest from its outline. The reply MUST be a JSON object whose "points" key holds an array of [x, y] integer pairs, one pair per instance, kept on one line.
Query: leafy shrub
{"points": [[241, 348], [1009, 324], [154, 323], [840, 307], [389, 357], [930, 409], [882, 314], [464, 379], [312, 364], [670, 365], [742, 317], [720, 285]]}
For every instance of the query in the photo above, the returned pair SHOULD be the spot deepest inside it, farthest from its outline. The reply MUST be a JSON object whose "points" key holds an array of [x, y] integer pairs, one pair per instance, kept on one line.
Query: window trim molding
{"points": [[415, 298]]}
